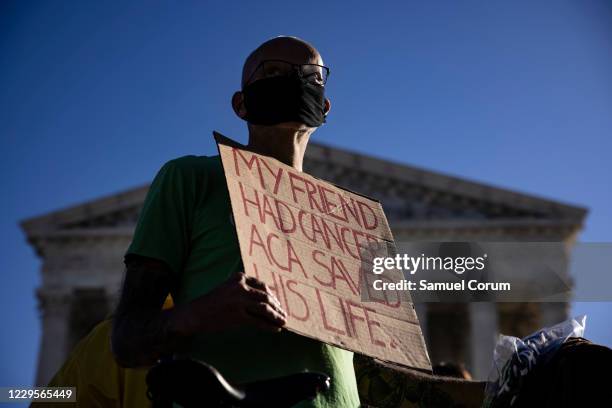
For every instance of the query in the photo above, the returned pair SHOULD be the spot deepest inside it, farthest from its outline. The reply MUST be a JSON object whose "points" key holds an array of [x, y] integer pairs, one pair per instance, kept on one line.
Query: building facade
{"points": [[81, 251]]}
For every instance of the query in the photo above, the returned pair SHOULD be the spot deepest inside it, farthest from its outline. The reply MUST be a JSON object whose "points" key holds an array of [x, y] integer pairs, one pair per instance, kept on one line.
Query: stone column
{"points": [[55, 309], [483, 335]]}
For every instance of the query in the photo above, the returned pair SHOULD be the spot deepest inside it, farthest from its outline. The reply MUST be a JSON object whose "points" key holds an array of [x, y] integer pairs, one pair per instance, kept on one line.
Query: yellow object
{"points": [[168, 303], [100, 381]]}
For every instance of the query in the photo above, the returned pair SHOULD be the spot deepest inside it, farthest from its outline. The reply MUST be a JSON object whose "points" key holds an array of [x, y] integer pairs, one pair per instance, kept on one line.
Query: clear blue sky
{"points": [[95, 97]]}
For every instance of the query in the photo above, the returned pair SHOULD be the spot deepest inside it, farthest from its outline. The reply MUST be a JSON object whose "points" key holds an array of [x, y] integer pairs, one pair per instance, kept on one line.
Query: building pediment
{"points": [[116, 211]]}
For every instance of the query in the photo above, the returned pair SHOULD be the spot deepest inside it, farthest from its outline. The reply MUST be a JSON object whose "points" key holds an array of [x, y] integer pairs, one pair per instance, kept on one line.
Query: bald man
{"points": [[185, 244]]}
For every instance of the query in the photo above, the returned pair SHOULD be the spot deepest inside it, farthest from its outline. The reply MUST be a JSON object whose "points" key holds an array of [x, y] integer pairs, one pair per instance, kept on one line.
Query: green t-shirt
{"points": [[186, 222]]}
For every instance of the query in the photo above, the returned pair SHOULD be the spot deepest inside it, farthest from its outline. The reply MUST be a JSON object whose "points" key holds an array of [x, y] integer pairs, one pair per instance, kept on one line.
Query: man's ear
{"points": [[238, 105], [327, 107]]}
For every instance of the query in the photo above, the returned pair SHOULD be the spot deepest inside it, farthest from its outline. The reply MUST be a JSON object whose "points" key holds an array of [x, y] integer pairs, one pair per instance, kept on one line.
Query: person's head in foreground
{"points": [[282, 97]]}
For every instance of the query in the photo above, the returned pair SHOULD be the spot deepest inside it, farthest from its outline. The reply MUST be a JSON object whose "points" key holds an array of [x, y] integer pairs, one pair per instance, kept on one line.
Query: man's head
{"points": [[283, 86]]}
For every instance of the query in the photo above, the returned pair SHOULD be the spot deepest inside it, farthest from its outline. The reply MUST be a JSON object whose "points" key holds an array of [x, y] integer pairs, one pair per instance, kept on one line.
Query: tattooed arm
{"points": [[142, 332], [383, 385]]}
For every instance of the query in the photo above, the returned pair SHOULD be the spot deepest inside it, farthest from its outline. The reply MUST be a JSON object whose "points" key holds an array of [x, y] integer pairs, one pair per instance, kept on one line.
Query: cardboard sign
{"points": [[311, 242]]}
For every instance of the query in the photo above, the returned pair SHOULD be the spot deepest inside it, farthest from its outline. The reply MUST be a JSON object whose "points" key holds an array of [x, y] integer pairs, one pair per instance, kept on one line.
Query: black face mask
{"points": [[274, 100]]}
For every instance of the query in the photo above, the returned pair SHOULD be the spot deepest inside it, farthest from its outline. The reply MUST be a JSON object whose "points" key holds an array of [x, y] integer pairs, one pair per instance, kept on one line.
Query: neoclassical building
{"points": [[81, 249]]}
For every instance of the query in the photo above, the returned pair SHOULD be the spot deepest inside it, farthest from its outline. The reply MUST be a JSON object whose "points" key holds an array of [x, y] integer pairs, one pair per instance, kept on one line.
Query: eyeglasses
{"points": [[313, 73]]}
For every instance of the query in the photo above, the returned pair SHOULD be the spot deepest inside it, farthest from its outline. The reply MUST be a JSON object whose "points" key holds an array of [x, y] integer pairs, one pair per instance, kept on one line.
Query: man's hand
{"points": [[239, 302]]}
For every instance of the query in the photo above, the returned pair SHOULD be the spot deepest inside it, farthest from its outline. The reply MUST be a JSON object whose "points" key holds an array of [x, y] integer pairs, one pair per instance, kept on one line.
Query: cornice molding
{"points": [[436, 181]]}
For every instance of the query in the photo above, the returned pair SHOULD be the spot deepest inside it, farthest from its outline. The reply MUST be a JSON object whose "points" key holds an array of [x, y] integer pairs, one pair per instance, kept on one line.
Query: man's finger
{"points": [[260, 296], [236, 277], [259, 285], [266, 312], [255, 283]]}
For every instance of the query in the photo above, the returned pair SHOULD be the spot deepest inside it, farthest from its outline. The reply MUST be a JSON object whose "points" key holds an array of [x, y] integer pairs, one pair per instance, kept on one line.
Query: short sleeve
{"points": [[163, 230]]}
